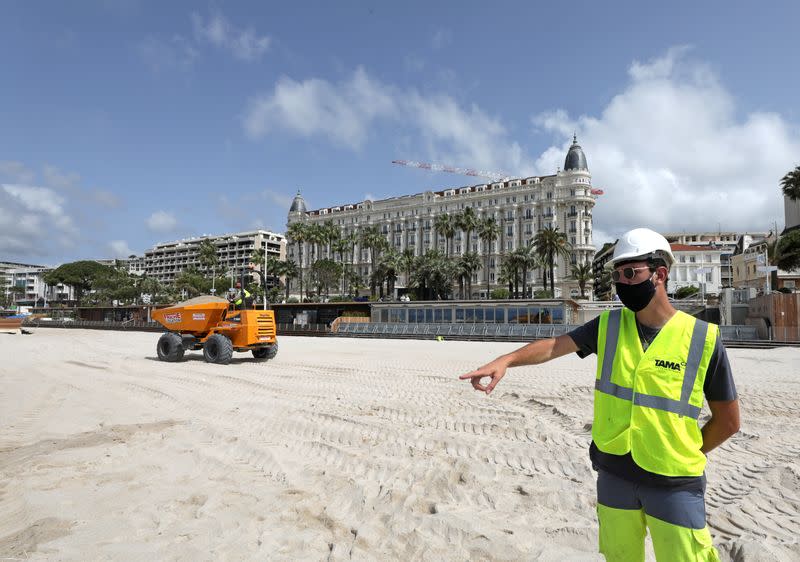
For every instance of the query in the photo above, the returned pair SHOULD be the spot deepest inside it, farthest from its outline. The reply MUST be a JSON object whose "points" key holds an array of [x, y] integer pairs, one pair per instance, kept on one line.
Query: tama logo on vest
{"points": [[669, 364]]}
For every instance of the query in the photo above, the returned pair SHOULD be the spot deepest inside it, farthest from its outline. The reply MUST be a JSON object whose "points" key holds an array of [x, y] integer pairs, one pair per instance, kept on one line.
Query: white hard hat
{"points": [[641, 243]]}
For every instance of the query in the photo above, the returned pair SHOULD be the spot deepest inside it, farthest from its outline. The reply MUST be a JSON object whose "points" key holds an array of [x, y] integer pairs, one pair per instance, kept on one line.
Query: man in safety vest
{"points": [[654, 367], [240, 298]]}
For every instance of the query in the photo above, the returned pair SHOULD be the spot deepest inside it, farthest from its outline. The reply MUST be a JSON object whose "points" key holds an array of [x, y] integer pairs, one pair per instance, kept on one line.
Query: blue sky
{"points": [[125, 123]]}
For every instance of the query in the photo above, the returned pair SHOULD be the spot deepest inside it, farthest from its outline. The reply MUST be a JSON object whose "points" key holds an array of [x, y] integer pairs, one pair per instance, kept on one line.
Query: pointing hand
{"points": [[495, 370]]}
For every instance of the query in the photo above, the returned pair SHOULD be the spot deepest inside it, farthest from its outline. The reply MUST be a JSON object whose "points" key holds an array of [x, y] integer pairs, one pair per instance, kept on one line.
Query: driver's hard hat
{"points": [[641, 243]]}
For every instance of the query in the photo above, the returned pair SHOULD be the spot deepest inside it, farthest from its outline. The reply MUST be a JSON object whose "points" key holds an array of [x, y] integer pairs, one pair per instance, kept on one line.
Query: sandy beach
{"points": [[343, 449]]}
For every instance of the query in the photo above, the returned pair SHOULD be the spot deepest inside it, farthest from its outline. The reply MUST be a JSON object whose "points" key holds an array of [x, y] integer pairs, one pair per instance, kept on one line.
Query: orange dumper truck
{"points": [[207, 323]]}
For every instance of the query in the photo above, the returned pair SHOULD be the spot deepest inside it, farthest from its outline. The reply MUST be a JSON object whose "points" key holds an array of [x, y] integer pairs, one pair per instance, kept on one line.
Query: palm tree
{"points": [[526, 259], [510, 272], [582, 273], [289, 270], [467, 221], [550, 243], [468, 264], [434, 274], [489, 231], [208, 258], [340, 247], [790, 184], [391, 263], [406, 264], [355, 282], [317, 236], [298, 234], [507, 275], [445, 225], [331, 234], [372, 238]]}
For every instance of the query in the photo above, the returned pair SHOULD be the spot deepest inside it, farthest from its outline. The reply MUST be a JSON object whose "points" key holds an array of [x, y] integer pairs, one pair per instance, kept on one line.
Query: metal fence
{"points": [[493, 331]]}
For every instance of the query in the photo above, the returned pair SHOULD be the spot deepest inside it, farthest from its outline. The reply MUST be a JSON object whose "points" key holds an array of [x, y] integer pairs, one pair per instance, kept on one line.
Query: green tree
{"points": [[582, 273], [407, 260], [289, 270], [297, 233], [391, 262], [513, 266], [81, 275], [208, 257], [790, 184], [526, 259], [468, 263], [788, 251], [192, 282], [355, 282], [317, 236], [332, 233], [375, 241], [433, 275], [325, 273], [686, 291], [508, 273], [552, 244], [340, 248], [467, 221], [488, 231], [445, 225], [114, 284]]}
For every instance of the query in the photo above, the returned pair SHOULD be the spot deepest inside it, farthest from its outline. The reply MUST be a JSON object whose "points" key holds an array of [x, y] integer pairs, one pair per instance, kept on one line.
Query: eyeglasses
{"points": [[627, 272]]}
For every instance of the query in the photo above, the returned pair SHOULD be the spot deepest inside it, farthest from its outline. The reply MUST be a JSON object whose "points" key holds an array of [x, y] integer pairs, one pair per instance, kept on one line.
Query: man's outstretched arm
{"points": [[534, 353]]}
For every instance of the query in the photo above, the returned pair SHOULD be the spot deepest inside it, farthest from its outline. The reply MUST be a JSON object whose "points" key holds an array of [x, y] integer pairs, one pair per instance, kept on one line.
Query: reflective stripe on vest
{"points": [[681, 407]]}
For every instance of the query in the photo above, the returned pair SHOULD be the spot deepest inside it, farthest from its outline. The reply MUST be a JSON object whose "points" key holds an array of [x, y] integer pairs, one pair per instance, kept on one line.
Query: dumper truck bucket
{"points": [[191, 317]]}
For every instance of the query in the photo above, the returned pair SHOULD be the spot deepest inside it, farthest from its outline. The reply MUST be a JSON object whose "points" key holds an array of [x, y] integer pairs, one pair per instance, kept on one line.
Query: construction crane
{"points": [[494, 176]]}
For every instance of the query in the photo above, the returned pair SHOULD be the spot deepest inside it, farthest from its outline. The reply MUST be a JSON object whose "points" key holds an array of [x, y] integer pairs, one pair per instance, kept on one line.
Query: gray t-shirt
{"points": [[718, 386]]}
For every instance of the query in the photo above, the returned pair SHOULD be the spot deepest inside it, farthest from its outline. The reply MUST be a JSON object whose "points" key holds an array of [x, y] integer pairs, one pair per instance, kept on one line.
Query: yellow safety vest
{"points": [[239, 300], [648, 402]]}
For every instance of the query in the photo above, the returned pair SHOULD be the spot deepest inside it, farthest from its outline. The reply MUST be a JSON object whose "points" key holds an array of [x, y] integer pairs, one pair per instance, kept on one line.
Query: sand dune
{"points": [[343, 449]]}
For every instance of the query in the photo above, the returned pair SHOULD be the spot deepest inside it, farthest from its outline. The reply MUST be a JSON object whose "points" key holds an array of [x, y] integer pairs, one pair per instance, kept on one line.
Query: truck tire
{"points": [[266, 352], [218, 349], [170, 347]]}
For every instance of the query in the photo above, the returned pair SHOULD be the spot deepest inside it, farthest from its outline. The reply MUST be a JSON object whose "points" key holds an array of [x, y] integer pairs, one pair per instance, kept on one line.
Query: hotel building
{"points": [[521, 206]]}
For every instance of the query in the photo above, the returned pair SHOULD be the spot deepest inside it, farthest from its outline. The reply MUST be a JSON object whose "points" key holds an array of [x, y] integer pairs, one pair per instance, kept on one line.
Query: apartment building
{"points": [[726, 240], [167, 260], [698, 266], [27, 287], [603, 287], [521, 206]]}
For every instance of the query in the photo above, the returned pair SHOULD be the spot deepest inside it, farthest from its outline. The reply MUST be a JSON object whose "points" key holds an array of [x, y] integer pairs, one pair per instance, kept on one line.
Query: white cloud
{"points": [[345, 112], [120, 249], [175, 54], [672, 152], [16, 172], [244, 44], [162, 222], [57, 179], [33, 221], [342, 113]]}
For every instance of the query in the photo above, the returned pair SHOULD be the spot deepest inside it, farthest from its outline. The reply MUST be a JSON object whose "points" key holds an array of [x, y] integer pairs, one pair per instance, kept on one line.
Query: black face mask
{"points": [[636, 297]]}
